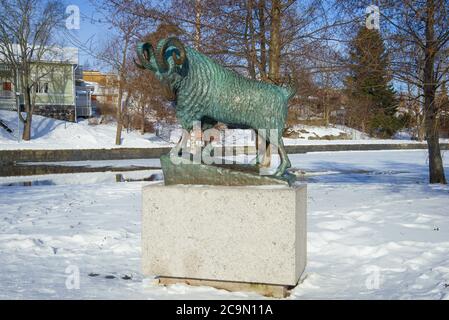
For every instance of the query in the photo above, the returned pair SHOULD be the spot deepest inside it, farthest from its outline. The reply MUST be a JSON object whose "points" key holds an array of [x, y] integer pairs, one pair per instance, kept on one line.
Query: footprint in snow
{"points": [[110, 276]]}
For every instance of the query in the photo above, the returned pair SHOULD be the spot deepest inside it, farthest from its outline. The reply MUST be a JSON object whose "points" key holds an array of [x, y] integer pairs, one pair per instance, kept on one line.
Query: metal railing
{"points": [[84, 111]]}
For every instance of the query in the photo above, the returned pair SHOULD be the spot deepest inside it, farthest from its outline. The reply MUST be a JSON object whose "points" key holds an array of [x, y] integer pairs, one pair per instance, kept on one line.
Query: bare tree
{"points": [[415, 106], [126, 31], [275, 40], [198, 14], [148, 95], [26, 30], [417, 34], [239, 34], [262, 39], [423, 26]]}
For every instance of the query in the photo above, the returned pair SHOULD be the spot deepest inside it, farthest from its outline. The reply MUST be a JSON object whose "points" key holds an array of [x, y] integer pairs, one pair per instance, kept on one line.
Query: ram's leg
{"points": [[263, 155], [285, 162], [208, 124], [182, 143], [266, 160], [289, 164], [259, 148]]}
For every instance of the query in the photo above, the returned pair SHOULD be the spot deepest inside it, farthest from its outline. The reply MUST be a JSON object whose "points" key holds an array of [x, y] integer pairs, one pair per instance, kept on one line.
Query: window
{"points": [[42, 87], [7, 86]]}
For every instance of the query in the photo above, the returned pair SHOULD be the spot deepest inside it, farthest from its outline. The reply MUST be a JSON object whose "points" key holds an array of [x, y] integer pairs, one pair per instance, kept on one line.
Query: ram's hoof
{"points": [[279, 173]]}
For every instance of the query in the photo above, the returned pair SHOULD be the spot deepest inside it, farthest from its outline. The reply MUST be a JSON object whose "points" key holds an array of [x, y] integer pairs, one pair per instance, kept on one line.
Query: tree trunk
{"points": [[326, 107], [121, 84], [28, 110], [142, 125], [118, 135], [275, 41], [250, 40], [326, 112], [420, 128], [198, 14], [26, 136], [262, 40], [436, 169]]}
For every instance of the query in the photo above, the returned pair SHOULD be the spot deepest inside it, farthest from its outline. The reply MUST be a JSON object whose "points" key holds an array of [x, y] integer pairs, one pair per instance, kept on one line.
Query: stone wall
{"points": [[65, 113], [7, 156]]}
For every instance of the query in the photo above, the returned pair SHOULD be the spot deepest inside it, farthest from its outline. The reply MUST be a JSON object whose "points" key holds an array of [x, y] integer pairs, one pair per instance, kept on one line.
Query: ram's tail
{"points": [[288, 91], [289, 87]]}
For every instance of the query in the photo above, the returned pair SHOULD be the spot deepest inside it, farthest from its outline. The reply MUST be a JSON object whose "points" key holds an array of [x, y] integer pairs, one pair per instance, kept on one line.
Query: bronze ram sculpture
{"points": [[206, 91]]}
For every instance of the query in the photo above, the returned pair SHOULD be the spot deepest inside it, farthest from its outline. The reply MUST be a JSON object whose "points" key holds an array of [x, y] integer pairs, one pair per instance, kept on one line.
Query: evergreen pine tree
{"points": [[369, 82]]}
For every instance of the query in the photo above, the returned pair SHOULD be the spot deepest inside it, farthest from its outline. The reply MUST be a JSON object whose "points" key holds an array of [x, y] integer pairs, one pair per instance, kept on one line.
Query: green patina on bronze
{"points": [[206, 91], [186, 171]]}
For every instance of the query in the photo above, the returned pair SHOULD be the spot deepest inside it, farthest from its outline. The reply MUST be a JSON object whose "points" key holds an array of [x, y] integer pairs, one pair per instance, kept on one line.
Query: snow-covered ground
{"points": [[55, 134], [307, 132], [376, 229], [49, 133]]}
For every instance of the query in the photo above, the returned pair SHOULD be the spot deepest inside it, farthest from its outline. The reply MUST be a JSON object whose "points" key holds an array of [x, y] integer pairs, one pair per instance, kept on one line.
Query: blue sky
{"points": [[91, 29], [94, 30]]}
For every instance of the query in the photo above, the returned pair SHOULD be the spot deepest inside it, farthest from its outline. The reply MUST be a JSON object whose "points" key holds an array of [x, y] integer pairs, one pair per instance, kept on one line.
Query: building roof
{"points": [[67, 55]]}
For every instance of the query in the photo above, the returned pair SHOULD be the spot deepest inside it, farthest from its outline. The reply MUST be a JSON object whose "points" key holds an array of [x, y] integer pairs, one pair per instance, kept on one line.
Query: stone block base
{"points": [[246, 234], [268, 290]]}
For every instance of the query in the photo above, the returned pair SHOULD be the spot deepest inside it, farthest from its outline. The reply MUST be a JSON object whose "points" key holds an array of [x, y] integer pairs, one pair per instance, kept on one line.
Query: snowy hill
{"points": [[49, 133], [332, 132], [54, 134]]}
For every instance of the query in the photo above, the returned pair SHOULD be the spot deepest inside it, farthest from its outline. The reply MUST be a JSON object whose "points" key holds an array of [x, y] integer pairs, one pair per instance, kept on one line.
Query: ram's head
{"points": [[168, 61]]}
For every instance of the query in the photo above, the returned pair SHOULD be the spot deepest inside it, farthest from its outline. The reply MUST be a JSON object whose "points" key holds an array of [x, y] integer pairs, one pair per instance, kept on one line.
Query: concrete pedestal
{"points": [[250, 234]]}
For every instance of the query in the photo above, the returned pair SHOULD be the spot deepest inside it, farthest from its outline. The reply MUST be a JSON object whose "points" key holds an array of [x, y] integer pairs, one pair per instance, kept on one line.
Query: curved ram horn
{"points": [[144, 53], [170, 42], [138, 65]]}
